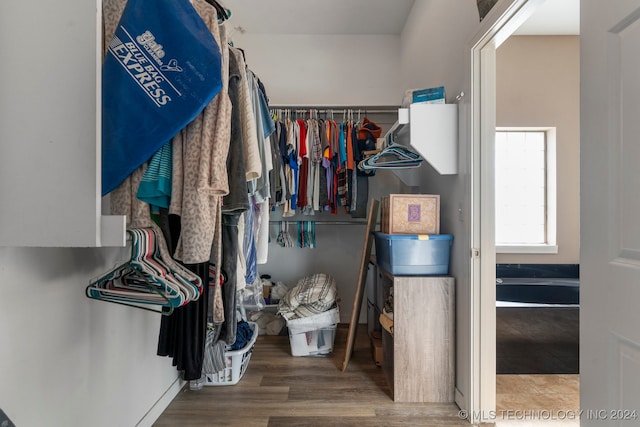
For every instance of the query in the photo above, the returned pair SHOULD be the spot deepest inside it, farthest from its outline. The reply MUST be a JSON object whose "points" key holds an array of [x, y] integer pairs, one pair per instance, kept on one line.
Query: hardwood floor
{"points": [[281, 390]]}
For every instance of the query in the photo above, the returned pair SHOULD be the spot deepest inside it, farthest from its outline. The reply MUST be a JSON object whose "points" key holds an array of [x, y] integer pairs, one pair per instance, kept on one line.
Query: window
{"points": [[525, 194]]}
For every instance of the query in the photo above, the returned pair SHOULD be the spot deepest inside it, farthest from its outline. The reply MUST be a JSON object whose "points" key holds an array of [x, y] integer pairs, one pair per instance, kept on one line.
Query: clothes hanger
{"points": [[154, 259], [138, 292], [142, 250], [134, 282], [145, 280], [394, 156], [126, 285], [178, 269], [223, 13]]}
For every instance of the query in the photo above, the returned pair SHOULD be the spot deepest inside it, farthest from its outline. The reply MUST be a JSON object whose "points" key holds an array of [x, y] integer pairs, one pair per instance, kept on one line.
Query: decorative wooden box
{"points": [[410, 214]]}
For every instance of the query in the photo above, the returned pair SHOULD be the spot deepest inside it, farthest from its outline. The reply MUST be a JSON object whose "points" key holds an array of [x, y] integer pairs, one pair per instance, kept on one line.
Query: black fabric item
{"points": [[362, 198], [284, 153], [366, 140], [237, 200], [274, 175], [229, 266], [165, 227], [182, 334]]}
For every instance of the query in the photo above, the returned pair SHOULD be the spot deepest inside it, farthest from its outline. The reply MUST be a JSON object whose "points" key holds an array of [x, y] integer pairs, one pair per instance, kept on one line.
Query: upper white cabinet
{"points": [[50, 126], [432, 130]]}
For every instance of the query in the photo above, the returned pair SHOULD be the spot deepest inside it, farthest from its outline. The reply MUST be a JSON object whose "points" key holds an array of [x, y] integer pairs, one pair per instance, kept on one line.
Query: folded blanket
{"points": [[311, 295]]}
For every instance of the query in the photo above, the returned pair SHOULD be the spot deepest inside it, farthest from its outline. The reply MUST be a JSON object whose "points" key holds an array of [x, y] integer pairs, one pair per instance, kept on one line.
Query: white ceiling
{"points": [[319, 16], [554, 17]]}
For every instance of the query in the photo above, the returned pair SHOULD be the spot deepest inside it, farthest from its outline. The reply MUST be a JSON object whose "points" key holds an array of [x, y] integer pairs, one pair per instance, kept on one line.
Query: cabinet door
{"points": [[423, 339]]}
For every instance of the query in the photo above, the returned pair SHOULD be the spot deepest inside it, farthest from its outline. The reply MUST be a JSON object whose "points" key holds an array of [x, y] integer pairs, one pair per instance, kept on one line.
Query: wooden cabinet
{"points": [[419, 356]]}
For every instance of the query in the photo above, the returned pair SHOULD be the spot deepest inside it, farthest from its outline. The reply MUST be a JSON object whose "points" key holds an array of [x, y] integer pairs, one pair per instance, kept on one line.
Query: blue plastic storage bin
{"points": [[414, 255]]}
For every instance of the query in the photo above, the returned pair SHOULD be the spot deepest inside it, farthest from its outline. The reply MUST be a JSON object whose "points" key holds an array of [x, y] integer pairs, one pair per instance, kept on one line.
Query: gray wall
{"points": [[538, 84]]}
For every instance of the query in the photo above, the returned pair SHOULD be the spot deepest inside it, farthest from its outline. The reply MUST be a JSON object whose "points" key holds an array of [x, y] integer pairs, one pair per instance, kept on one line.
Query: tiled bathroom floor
{"points": [[537, 400], [537, 363]]}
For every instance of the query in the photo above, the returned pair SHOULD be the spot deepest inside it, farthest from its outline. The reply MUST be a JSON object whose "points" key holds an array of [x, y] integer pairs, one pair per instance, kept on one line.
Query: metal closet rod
{"points": [[341, 109], [319, 222]]}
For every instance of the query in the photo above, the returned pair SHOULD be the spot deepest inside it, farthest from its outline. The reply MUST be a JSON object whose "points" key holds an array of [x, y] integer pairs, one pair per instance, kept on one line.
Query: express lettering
{"points": [[146, 76]]}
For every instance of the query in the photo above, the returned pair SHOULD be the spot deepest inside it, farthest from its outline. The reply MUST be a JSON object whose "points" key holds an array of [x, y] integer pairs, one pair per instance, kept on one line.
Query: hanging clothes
{"points": [[319, 165], [284, 238], [260, 187], [368, 134], [277, 178], [306, 234], [200, 172], [155, 187], [208, 218], [251, 151]]}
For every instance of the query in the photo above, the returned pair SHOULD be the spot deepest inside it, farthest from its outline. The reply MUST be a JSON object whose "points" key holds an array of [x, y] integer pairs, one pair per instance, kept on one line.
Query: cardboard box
{"points": [[376, 347], [410, 214]]}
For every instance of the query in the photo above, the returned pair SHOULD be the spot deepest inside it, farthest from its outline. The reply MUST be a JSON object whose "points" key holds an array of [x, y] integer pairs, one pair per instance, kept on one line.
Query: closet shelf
{"points": [[432, 130]]}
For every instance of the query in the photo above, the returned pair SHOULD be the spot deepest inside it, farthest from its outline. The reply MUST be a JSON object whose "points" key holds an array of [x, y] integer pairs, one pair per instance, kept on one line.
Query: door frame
{"points": [[505, 17]]}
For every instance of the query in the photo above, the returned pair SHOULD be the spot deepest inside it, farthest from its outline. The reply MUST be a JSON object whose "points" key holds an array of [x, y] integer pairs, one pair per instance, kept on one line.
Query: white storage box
{"points": [[313, 335]]}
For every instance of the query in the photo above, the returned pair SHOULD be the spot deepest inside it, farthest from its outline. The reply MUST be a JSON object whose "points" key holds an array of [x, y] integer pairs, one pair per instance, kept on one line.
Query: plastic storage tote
{"points": [[414, 254]]}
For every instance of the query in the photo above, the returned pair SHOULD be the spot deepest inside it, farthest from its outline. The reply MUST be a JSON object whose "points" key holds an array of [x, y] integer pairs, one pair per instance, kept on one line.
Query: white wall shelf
{"points": [[433, 132]]}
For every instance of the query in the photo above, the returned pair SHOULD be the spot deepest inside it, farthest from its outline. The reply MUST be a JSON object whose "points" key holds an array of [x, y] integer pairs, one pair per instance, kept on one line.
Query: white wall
{"points": [[435, 53], [66, 360], [310, 70], [433, 45], [338, 250]]}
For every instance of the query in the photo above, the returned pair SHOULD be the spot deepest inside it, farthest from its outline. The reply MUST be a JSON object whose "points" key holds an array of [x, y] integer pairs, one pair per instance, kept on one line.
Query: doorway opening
{"points": [[496, 378]]}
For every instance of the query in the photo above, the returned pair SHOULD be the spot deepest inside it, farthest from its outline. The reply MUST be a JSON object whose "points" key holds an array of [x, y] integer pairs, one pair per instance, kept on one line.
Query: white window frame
{"points": [[550, 247]]}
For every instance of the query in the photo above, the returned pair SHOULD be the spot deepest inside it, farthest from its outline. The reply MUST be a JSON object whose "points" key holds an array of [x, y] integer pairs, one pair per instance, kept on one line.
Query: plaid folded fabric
{"points": [[311, 295]]}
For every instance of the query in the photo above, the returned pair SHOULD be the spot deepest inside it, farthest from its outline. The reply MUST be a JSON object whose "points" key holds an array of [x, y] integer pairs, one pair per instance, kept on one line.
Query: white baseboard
{"points": [[158, 408]]}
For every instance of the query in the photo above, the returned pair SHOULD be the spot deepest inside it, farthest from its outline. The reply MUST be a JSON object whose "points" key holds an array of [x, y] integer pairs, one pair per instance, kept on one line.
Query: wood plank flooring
{"points": [[281, 390]]}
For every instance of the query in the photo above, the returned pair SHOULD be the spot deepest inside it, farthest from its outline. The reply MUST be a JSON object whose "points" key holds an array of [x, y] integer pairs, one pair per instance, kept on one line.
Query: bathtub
{"points": [[546, 291]]}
